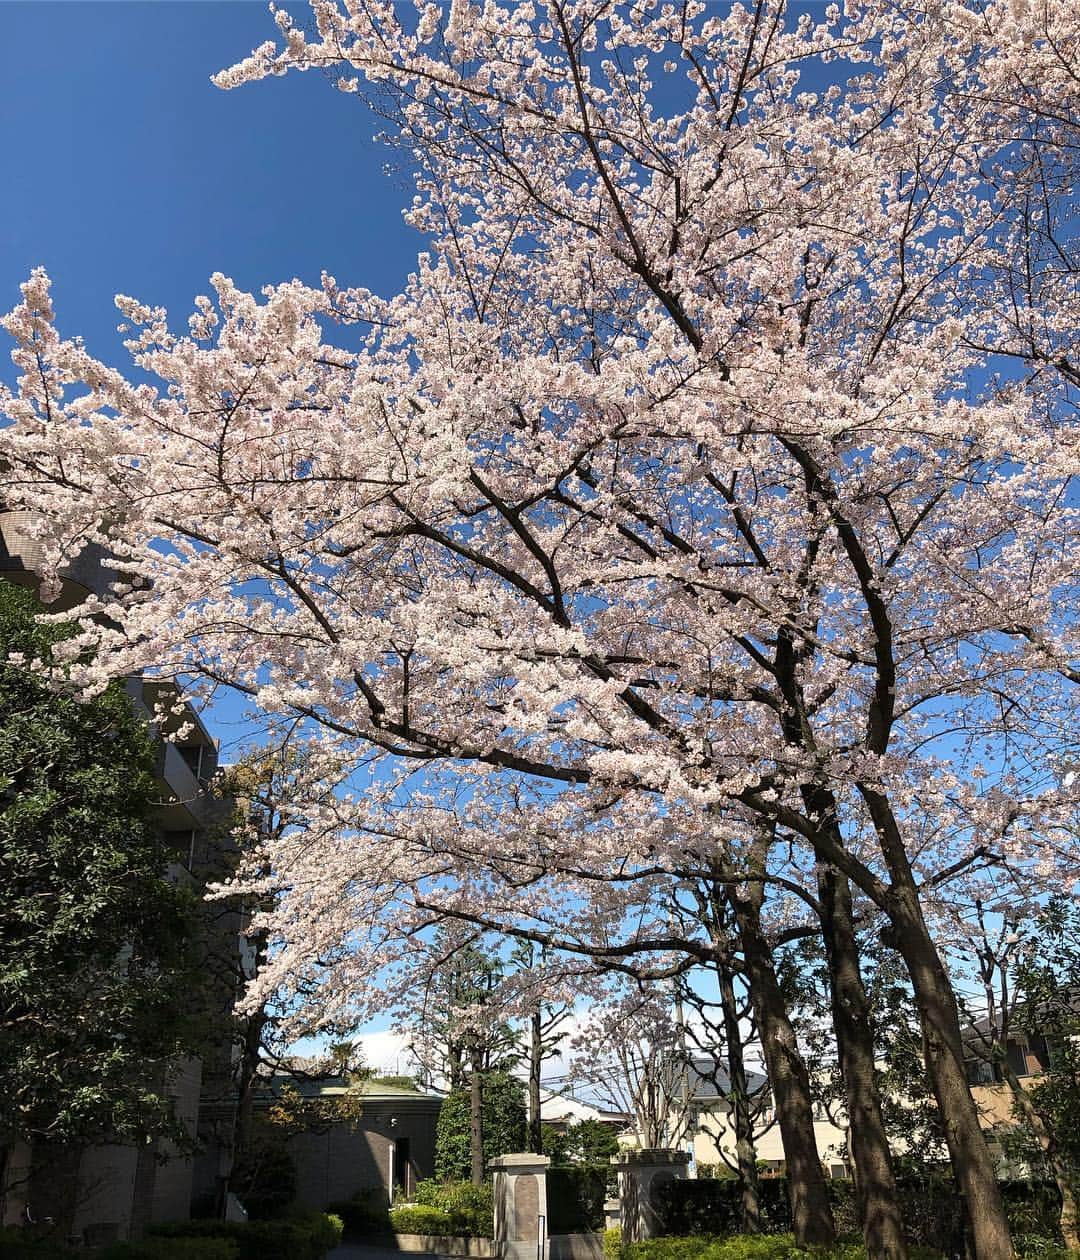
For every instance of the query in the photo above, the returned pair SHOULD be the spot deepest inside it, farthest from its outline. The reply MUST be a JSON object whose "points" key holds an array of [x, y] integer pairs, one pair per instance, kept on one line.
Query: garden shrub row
{"points": [[303, 1237], [575, 1197], [172, 1249], [743, 1247], [419, 1219], [932, 1210], [471, 1208], [453, 1209]]}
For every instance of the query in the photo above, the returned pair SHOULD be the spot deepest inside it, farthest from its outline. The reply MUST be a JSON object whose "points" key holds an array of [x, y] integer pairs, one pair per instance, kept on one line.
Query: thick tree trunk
{"points": [[536, 1059], [476, 1116], [811, 1213], [943, 1049], [875, 1183], [739, 1100]]}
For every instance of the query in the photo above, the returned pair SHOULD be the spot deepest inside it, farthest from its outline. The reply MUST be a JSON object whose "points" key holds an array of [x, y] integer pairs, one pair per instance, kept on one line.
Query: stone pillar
{"points": [[641, 1173], [521, 1216]]}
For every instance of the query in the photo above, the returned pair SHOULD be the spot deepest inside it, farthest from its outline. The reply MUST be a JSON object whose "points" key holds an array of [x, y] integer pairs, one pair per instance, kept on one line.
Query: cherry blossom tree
{"points": [[703, 499]]}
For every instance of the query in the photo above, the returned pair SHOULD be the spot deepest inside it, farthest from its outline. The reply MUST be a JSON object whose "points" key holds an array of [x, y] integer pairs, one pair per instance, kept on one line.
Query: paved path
{"points": [[361, 1251]]}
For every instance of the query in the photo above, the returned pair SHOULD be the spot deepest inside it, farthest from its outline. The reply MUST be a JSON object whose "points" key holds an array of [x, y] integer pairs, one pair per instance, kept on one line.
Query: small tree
{"points": [[503, 1126]]}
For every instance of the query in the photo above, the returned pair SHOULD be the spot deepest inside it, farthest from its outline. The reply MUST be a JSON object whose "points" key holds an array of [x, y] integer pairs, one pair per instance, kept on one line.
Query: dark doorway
{"points": [[403, 1173]]}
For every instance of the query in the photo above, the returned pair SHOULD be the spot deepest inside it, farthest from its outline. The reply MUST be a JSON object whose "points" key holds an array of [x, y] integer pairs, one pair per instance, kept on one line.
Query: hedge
{"points": [[575, 1198], [932, 1210], [747, 1247], [172, 1249], [419, 1219], [307, 1237], [19, 1244]]}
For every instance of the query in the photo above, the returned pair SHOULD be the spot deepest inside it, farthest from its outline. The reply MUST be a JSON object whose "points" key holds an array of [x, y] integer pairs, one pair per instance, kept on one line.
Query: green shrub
{"points": [[305, 1237], [1037, 1247], [471, 1208], [741, 1247], [613, 1244], [420, 1220], [172, 1249], [713, 1206]]}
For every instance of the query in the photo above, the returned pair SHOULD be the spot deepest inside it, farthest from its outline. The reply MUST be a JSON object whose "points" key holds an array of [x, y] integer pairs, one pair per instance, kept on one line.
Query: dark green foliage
{"points": [[504, 1126], [22, 1244], [747, 1247], [932, 1210], [264, 1178], [1033, 1209], [575, 1195], [172, 1249], [713, 1206], [305, 1237], [366, 1213], [589, 1142], [1049, 981], [94, 960]]}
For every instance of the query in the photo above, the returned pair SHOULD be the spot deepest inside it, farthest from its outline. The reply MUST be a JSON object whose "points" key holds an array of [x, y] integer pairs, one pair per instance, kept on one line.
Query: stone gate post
{"points": [[521, 1215], [641, 1173]]}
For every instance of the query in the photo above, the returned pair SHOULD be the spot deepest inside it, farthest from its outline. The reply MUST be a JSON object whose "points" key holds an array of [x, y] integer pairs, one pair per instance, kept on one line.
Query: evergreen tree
{"points": [[93, 937]]}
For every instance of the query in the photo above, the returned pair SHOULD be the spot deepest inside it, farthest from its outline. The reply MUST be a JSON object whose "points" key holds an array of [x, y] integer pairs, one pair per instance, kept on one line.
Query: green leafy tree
{"points": [[1048, 981], [504, 1126], [94, 954], [590, 1142]]}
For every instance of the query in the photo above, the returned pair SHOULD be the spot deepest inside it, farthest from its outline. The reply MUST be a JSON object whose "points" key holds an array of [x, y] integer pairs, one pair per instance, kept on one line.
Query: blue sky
{"points": [[126, 170]]}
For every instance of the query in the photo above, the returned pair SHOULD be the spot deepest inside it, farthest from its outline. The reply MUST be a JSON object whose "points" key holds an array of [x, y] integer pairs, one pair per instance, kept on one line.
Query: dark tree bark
{"points": [[943, 1050], [811, 1212], [476, 1114], [875, 1183], [739, 1098], [536, 1061]]}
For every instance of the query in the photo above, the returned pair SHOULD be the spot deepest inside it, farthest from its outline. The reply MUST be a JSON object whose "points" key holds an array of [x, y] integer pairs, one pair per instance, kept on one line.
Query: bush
{"points": [[265, 1177], [471, 1208], [575, 1195], [420, 1220], [613, 1244], [1036, 1247], [306, 1237], [713, 1206], [932, 1211], [744, 1247], [172, 1249], [367, 1212]]}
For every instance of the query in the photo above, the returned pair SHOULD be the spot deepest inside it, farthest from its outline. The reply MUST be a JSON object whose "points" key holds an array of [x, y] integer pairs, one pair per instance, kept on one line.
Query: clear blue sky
{"points": [[125, 170]]}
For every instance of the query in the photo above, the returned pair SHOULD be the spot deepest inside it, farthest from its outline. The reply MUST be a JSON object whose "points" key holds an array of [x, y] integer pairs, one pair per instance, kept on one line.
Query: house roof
{"points": [[336, 1086], [708, 1079]]}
